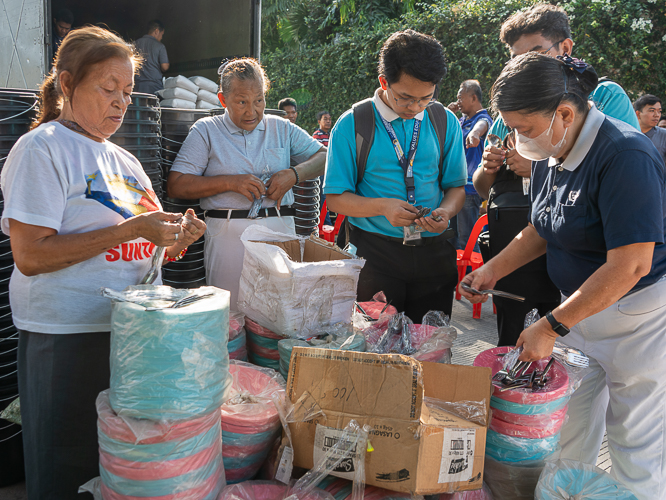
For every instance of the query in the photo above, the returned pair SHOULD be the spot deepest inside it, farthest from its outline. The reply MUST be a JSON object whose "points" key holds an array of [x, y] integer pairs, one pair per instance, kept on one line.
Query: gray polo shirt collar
{"points": [[586, 137], [386, 112], [233, 129]]}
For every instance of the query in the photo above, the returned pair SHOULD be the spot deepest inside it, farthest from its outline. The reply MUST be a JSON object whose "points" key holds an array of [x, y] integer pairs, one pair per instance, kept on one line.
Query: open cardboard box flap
{"points": [[358, 384], [314, 250], [415, 446]]}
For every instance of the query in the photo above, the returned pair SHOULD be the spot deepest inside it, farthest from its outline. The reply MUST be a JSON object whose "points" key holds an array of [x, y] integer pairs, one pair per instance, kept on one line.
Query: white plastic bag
{"points": [[177, 93], [204, 83], [182, 82], [210, 97], [294, 299], [178, 103]]}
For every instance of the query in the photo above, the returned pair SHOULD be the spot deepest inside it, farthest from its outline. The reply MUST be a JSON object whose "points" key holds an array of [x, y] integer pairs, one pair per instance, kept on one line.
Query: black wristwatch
{"points": [[558, 327]]}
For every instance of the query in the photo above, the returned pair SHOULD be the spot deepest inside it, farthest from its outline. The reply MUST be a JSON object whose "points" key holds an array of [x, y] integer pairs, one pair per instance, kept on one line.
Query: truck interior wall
{"points": [[198, 35]]}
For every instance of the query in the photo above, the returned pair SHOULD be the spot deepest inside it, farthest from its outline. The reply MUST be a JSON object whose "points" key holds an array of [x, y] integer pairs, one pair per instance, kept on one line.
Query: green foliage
{"points": [[624, 40]]}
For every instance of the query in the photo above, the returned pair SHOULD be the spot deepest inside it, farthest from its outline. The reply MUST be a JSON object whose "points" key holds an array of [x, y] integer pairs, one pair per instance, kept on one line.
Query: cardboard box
{"points": [[418, 447], [296, 287]]}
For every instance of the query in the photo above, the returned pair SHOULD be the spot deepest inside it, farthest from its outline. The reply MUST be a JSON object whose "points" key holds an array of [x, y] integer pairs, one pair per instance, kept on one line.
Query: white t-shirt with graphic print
{"points": [[57, 178]]}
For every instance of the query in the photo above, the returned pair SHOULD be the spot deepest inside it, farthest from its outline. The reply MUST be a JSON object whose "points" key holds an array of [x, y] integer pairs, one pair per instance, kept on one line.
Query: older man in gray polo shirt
{"points": [[156, 62], [223, 162]]}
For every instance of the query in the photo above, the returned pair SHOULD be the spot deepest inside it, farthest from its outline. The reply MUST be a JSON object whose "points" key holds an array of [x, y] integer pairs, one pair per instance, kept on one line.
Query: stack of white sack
{"points": [[179, 92], [207, 95]]}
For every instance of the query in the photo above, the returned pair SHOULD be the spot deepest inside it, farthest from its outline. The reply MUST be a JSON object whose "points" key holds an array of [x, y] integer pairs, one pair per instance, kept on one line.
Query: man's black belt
{"points": [[425, 241], [242, 214]]}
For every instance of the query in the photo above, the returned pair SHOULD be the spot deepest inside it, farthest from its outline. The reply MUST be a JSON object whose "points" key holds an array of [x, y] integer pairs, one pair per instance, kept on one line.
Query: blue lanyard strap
{"points": [[407, 163]]}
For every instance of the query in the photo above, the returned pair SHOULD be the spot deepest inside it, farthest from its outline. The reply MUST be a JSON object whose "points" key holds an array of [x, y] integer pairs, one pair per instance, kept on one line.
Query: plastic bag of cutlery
{"points": [[169, 358]]}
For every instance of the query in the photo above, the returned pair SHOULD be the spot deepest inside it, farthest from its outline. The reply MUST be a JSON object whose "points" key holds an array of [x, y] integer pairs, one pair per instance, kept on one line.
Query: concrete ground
{"points": [[475, 335]]}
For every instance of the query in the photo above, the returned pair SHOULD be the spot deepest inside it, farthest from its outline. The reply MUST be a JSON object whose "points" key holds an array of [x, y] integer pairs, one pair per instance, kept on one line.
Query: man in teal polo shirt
{"points": [[416, 270]]}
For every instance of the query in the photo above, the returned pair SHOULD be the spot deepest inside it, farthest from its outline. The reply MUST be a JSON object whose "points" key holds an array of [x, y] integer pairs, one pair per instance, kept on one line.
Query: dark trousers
{"points": [[60, 377], [511, 317], [415, 279]]}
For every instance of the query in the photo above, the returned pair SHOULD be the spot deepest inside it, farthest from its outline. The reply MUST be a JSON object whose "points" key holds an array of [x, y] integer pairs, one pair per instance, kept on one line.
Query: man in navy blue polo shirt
{"points": [[416, 270], [475, 122]]}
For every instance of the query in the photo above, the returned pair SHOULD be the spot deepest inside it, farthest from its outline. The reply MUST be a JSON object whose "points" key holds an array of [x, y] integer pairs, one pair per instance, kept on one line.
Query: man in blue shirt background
{"points": [[416, 270], [475, 123]]}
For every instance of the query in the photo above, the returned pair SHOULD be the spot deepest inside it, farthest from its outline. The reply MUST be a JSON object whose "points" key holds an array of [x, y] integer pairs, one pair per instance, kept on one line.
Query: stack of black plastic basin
{"points": [[18, 108], [140, 135], [306, 203], [189, 272]]}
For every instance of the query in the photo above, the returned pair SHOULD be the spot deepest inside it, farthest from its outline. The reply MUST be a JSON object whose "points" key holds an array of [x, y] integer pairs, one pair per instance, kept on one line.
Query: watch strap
{"points": [[558, 327]]}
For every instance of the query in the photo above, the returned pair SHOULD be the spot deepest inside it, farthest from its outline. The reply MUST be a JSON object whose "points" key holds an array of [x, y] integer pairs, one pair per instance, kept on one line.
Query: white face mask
{"points": [[540, 147]]}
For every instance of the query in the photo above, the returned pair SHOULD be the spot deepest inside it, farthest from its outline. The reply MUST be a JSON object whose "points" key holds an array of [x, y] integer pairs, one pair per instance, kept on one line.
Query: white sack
{"points": [[204, 95], [182, 82], [292, 298], [206, 105], [178, 103], [177, 93], [204, 83]]}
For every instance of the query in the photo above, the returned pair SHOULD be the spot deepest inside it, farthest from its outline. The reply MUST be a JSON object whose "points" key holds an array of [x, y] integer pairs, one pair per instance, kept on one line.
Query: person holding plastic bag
{"points": [[239, 165], [81, 214], [597, 211]]}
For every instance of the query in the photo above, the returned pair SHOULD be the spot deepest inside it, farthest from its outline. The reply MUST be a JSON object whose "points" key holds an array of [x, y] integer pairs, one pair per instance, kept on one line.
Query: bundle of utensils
{"points": [[515, 374], [423, 211], [517, 377]]}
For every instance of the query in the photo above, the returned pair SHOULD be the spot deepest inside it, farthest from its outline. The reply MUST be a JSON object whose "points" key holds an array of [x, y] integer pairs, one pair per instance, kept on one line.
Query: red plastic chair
{"points": [[468, 258], [329, 233]]}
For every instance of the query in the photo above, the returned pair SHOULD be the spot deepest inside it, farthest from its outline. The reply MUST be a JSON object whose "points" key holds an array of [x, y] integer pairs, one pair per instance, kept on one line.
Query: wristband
{"points": [[177, 257], [298, 177]]}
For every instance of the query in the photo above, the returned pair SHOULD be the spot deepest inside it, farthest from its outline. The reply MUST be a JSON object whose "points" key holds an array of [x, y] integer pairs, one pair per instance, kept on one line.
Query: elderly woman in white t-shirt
{"points": [[81, 214], [222, 162]]}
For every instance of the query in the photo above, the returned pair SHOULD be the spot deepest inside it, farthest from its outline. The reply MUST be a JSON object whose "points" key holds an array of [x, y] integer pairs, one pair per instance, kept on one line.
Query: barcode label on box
{"points": [[457, 455], [286, 466], [325, 439]]}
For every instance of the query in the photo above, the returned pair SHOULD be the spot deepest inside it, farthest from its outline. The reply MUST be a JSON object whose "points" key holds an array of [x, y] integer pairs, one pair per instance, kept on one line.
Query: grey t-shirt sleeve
{"points": [[194, 154], [162, 57], [302, 145]]}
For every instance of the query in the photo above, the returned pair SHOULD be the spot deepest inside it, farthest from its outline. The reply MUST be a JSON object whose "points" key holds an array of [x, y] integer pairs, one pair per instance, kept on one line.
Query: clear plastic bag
{"points": [[267, 490], [140, 458], [250, 420], [337, 337], [13, 412], [569, 479], [430, 341], [237, 345], [516, 449], [472, 411], [351, 445], [169, 363], [257, 203]]}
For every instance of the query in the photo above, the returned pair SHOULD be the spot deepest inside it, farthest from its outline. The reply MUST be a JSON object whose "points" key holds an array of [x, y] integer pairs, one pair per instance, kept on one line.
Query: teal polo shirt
{"points": [[609, 98], [384, 177]]}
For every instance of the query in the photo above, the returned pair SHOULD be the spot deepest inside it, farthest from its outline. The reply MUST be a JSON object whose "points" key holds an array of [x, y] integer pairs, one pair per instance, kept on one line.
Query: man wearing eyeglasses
{"points": [[408, 257]]}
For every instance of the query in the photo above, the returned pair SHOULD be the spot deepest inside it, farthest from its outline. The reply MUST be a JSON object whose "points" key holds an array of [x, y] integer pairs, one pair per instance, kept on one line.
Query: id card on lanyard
{"points": [[410, 235]]}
